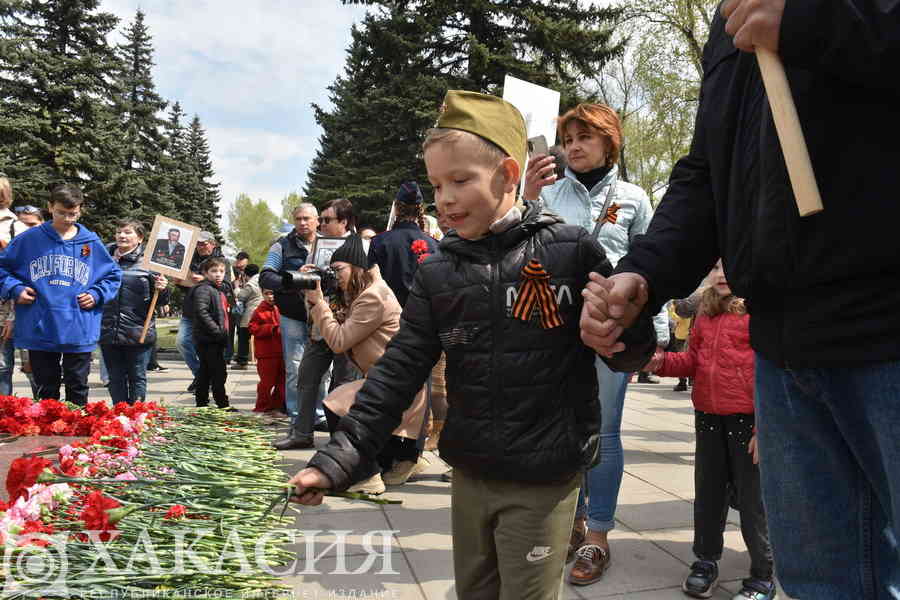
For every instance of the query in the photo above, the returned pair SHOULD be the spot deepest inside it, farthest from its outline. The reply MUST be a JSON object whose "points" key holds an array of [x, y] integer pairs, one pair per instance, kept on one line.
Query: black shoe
{"points": [[322, 426], [193, 386], [294, 441], [160, 369], [239, 367], [647, 378], [702, 579], [227, 408], [681, 387]]}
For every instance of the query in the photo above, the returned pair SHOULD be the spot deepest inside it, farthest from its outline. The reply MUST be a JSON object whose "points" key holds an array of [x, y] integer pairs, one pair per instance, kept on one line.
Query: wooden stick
{"points": [[149, 315], [790, 133]]}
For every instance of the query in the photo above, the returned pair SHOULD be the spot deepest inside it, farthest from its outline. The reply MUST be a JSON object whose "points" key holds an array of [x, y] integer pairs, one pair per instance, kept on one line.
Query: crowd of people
{"points": [[534, 309]]}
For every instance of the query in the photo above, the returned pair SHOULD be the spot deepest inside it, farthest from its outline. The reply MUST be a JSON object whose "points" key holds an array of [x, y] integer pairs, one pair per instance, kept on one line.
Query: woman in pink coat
{"points": [[721, 361]]}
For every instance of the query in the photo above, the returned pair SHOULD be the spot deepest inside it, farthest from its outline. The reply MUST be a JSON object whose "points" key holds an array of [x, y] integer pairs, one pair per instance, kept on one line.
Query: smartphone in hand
{"points": [[538, 145]]}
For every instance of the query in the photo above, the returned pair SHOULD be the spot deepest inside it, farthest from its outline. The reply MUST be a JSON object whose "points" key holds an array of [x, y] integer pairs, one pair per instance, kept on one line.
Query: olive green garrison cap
{"points": [[490, 117]]}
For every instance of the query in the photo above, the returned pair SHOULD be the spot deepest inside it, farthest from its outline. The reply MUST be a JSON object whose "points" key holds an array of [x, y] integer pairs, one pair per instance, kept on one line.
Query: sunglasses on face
{"points": [[27, 209]]}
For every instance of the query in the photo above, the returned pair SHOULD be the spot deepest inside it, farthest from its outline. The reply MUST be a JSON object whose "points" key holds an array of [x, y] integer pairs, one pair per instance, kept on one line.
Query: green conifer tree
{"points": [[403, 58], [138, 106], [56, 72], [205, 193]]}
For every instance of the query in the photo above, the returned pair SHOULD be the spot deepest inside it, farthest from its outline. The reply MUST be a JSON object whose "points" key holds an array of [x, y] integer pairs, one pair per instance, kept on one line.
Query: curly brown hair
{"points": [[713, 305]]}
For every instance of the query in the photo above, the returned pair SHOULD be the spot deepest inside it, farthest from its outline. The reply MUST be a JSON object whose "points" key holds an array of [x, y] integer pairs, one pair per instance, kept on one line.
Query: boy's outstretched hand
{"points": [[610, 306], [310, 484]]}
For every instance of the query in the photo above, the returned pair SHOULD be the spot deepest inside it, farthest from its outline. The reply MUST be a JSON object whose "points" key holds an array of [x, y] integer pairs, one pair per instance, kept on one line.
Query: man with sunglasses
{"points": [[290, 253], [29, 216]]}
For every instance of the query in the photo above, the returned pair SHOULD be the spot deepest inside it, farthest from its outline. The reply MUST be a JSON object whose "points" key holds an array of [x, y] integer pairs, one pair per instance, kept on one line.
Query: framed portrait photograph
{"points": [[322, 250], [170, 247]]}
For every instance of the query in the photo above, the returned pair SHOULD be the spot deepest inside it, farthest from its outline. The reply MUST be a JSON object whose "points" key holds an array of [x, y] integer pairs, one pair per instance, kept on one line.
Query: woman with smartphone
{"points": [[591, 193]]}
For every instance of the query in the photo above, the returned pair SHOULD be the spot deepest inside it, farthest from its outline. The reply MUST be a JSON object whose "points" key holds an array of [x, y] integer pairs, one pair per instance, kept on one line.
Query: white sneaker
{"points": [[401, 472], [374, 485]]}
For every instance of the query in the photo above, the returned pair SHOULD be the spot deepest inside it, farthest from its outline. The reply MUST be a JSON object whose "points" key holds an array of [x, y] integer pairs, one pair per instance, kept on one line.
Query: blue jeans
{"points": [[7, 364], [603, 481], [127, 367], [830, 463], [104, 372], [294, 335], [185, 343]]}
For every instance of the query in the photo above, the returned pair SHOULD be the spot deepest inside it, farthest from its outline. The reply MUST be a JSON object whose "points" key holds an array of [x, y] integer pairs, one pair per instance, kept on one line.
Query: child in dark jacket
{"points": [[503, 300], [210, 328], [721, 361], [265, 329]]}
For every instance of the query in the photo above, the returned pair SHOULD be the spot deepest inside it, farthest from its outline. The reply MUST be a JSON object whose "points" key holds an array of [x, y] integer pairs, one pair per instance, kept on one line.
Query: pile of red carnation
{"points": [[23, 416]]}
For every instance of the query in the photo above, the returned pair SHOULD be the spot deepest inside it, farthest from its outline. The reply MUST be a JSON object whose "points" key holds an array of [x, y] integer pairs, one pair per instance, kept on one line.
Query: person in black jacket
{"points": [[399, 251], [502, 299], [126, 357], [209, 301], [821, 291], [207, 246]]}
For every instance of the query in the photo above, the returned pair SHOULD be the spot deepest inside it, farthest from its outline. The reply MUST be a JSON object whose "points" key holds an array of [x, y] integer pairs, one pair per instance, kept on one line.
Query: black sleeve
{"points": [[681, 245], [640, 338], [854, 40], [390, 387]]}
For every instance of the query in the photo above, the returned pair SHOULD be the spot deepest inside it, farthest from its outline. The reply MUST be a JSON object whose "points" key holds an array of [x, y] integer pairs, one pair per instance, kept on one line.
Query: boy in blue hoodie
{"points": [[60, 274]]}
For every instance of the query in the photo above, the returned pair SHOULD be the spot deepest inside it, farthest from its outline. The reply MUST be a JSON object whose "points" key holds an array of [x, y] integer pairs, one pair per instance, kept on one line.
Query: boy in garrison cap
{"points": [[503, 300]]}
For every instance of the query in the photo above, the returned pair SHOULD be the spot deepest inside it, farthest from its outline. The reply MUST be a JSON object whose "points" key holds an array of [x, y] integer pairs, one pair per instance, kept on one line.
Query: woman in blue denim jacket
{"points": [[592, 194]]}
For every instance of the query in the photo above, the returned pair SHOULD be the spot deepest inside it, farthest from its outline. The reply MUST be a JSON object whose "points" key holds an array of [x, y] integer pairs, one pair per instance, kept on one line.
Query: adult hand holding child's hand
{"points": [[610, 306], [310, 484]]}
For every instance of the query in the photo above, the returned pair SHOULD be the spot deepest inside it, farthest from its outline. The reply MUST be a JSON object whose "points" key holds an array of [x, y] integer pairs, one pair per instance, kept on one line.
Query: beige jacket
{"points": [[373, 319]]}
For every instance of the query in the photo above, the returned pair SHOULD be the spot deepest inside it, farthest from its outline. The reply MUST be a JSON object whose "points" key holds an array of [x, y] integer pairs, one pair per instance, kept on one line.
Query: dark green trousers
{"points": [[510, 539]]}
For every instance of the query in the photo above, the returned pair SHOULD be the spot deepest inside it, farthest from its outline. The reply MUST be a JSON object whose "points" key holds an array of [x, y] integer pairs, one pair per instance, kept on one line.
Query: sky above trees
{"points": [[251, 70]]}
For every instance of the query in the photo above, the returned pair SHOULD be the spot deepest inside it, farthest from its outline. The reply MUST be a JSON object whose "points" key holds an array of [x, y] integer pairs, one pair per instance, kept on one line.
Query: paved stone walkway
{"points": [[651, 546]]}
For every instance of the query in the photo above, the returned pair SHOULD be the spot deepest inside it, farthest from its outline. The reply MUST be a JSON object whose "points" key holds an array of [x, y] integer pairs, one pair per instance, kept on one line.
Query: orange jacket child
{"points": [[265, 329]]}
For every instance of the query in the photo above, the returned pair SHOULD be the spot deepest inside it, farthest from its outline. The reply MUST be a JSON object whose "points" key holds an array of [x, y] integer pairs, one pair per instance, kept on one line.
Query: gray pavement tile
{"points": [[675, 479], [386, 578], [637, 565], [654, 510], [735, 563], [350, 533]]}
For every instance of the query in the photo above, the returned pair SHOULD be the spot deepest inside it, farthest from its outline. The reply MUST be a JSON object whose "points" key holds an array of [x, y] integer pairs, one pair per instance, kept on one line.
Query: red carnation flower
{"points": [[175, 512], [419, 246], [23, 473], [59, 426], [96, 515], [32, 527]]}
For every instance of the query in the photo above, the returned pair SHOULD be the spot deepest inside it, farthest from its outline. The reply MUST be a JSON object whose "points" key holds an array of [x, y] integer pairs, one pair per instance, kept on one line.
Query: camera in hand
{"points": [[295, 280]]}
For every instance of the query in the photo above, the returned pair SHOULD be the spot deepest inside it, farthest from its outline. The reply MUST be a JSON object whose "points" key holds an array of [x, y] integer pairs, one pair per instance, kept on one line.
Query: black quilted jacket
{"points": [[522, 399]]}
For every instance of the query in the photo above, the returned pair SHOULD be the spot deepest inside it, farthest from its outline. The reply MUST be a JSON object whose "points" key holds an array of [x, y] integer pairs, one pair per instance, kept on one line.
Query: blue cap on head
{"points": [[409, 193]]}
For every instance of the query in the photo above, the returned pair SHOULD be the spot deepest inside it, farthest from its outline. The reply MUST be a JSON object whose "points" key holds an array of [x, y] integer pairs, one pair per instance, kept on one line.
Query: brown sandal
{"points": [[592, 561]]}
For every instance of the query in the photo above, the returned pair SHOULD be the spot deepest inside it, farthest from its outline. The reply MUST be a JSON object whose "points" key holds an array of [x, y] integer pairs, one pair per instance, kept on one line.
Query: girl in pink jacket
{"points": [[720, 360]]}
